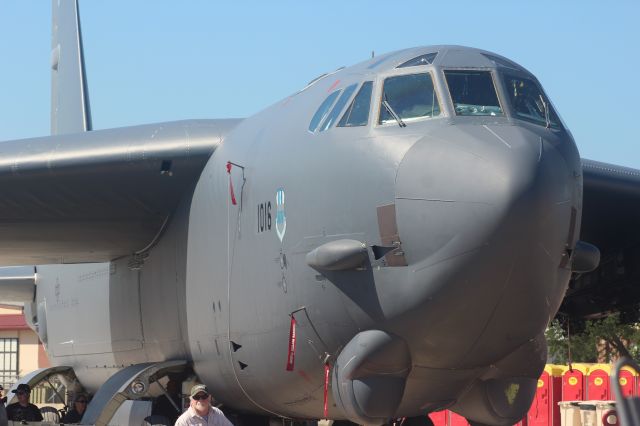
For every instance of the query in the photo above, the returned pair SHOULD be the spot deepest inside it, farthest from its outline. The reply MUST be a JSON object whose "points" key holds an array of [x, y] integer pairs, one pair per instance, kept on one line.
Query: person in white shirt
{"points": [[200, 411]]}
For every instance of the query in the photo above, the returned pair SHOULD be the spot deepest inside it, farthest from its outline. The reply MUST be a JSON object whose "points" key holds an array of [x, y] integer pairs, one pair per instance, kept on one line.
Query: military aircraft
{"points": [[389, 241]]}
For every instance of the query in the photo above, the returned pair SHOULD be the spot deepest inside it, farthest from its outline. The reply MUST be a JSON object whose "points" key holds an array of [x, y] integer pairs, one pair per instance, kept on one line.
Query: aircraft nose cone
{"points": [[484, 215]]}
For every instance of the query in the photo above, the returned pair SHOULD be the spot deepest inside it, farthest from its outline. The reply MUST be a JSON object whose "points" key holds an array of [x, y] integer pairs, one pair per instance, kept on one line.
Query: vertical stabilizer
{"points": [[70, 112]]}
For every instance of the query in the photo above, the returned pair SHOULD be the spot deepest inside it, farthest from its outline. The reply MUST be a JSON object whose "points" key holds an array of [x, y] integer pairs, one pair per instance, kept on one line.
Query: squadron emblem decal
{"points": [[281, 219]]}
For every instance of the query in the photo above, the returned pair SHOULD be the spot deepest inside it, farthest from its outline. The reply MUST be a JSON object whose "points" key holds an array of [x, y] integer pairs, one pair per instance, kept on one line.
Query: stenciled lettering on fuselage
{"points": [[265, 219]]}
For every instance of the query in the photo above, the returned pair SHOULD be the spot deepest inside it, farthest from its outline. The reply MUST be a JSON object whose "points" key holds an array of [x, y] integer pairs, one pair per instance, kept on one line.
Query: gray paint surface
{"points": [[487, 212], [70, 109]]}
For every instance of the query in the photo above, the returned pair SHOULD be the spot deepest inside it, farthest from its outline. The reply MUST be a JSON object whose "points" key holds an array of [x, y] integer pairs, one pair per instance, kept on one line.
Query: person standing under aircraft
{"points": [[23, 409], [200, 411], [165, 405], [74, 415]]}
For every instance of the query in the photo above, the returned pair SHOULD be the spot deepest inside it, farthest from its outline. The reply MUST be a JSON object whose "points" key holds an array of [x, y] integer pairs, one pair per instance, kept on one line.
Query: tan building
{"points": [[20, 349]]}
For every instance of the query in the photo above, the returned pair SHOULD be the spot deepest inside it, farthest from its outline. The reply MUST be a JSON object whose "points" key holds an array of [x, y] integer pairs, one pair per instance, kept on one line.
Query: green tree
{"points": [[603, 339]]}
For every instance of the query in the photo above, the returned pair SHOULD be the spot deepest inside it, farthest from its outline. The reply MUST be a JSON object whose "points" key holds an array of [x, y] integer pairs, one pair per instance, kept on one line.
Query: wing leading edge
{"points": [[611, 221], [96, 196]]}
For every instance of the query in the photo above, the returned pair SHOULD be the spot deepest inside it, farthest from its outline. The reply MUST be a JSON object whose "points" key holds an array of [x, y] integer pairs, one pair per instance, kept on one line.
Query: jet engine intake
{"points": [[369, 376]]}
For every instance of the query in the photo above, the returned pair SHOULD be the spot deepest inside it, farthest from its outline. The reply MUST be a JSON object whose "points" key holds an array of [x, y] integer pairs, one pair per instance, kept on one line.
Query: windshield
{"points": [[408, 97], [322, 111], [473, 92], [358, 112], [529, 103]]}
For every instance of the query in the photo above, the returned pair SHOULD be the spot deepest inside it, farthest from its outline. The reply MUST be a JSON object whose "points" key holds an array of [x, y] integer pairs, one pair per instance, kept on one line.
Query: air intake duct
{"points": [[369, 377]]}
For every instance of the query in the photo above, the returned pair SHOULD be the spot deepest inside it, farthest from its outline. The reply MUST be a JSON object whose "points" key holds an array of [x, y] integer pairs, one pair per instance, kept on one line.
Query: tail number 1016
{"points": [[264, 217]]}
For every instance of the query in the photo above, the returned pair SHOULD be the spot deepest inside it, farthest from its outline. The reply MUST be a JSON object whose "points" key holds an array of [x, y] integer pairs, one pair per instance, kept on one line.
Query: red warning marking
{"points": [[231, 193], [291, 356], [333, 86], [326, 389]]}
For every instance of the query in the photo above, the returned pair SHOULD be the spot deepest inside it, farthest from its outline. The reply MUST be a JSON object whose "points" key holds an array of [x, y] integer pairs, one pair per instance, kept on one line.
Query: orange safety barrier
{"points": [[598, 382]]}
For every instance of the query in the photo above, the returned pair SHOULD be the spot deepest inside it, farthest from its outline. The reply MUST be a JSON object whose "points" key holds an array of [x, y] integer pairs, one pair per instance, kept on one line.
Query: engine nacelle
{"points": [[369, 376]]}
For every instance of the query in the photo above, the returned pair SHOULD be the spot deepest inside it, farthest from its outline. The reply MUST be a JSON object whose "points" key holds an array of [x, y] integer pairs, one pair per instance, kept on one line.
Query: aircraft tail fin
{"points": [[70, 111]]}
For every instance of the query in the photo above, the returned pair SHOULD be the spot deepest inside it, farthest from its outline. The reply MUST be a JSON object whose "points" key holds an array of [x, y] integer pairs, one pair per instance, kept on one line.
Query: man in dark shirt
{"points": [[23, 410], [169, 404], [79, 406]]}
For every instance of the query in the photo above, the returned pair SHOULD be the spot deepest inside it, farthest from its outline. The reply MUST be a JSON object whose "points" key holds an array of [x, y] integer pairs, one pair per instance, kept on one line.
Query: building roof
{"points": [[13, 322]]}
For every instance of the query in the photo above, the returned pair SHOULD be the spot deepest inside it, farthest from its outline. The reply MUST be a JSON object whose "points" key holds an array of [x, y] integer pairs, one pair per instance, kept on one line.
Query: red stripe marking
{"points": [[333, 86], [291, 355]]}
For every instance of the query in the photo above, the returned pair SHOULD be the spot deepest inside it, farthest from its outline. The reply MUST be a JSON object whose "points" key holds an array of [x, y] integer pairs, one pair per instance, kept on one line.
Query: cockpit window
{"points": [[500, 61], [408, 97], [529, 103], [419, 60], [358, 112], [337, 109], [473, 92], [322, 111]]}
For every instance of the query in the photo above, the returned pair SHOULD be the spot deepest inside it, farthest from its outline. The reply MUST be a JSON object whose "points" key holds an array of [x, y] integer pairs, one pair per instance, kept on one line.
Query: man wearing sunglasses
{"points": [[23, 410], [74, 415], [200, 411]]}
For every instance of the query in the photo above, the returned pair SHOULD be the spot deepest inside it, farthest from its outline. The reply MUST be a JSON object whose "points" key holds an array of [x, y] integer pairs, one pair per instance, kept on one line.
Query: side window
{"points": [[358, 112], [529, 103], [322, 111], [337, 109], [473, 92], [420, 60], [409, 96]]}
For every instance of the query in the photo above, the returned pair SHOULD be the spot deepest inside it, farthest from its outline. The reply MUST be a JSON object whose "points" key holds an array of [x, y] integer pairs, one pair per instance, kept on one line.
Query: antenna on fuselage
{"points": [[70, 110]]}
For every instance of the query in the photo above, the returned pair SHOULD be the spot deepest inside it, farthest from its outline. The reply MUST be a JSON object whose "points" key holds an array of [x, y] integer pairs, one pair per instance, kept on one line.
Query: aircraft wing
{"points": [[611, 221], [96, 196]]}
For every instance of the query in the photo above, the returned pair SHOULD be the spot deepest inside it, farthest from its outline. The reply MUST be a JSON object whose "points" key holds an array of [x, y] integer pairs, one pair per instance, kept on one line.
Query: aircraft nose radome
{"points": [[462, 183], [484, 215]]}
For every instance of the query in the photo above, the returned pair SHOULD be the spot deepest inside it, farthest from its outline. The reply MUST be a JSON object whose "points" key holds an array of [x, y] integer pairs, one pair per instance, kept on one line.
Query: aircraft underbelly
{"points": [[102, 317]]}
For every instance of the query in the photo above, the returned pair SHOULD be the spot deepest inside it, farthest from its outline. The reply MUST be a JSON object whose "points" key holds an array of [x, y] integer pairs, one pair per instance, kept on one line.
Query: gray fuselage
{"points": [[487, 210]]}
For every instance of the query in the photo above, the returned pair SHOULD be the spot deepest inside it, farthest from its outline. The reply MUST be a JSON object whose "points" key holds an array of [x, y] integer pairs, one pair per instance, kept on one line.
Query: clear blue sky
{"points": [[151, 61]]}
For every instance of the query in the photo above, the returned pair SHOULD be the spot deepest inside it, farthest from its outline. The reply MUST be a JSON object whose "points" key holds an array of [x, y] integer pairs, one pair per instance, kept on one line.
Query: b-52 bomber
{"points": [[390, 241]]}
